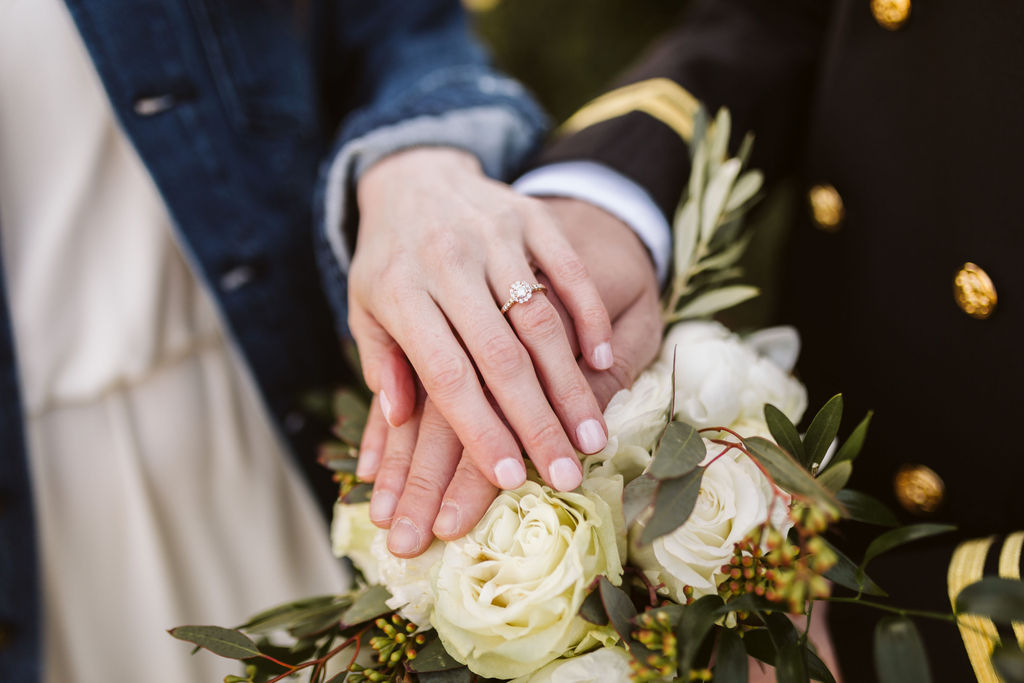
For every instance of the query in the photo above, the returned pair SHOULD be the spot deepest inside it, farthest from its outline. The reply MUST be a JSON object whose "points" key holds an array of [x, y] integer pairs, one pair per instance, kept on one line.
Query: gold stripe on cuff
{"points": [[979, 633], [1009, 568], [662, 98]]}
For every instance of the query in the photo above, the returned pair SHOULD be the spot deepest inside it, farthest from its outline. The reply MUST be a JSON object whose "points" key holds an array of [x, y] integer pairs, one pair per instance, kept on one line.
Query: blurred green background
{"points": [[568, 51]]}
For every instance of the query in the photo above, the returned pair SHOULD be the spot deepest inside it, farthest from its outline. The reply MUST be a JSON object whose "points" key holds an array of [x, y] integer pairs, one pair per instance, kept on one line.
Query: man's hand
{"points": [[424, 483]]}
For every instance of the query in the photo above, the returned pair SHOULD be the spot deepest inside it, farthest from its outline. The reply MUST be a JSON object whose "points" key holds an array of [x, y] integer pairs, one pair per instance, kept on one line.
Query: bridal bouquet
{"points": [[696, 529]]}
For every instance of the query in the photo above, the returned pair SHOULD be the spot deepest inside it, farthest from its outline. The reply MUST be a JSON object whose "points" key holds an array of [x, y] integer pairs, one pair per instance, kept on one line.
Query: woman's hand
{"points": [[439, 245], [424, 483]]}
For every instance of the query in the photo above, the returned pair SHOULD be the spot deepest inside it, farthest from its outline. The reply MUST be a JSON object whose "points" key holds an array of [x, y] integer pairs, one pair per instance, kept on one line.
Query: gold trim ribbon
{"points": [[979, 633], [662, 98]]}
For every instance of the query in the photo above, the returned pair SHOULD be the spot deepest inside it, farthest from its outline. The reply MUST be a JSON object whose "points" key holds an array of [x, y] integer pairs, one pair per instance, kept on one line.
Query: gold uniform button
{"points": [[826, 207], [918, 489], [891, 14], [974, 292]]}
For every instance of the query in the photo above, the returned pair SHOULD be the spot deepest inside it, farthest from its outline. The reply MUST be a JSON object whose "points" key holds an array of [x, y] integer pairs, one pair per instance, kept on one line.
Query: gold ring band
{"points": [[520, 292]]}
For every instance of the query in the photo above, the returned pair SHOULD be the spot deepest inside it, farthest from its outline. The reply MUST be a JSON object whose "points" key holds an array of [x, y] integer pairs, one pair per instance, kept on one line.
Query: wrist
{"points": [[394, 172]]}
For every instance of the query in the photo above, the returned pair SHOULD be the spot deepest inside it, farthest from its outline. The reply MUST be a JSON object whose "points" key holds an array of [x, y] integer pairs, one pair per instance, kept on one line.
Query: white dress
{"points": [[163, 493]]}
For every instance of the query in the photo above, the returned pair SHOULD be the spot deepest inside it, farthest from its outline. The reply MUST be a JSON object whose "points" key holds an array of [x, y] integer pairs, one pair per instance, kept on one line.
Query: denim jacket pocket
{"points": [[258, 53]]}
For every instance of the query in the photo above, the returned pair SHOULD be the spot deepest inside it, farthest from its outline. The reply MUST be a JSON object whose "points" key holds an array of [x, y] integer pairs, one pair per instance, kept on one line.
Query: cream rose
{"points": [[606, 665], [352, 534], [408, 580], [507, 595], [735, 498], [724, 381]]}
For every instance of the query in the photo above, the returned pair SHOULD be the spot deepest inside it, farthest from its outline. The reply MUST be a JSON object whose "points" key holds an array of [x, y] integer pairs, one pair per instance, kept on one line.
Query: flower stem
{"points": [[895, 610]]}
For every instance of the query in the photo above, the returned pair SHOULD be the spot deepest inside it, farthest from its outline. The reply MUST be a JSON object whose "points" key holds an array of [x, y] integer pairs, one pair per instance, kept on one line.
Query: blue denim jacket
{"points": [[254, 119]]}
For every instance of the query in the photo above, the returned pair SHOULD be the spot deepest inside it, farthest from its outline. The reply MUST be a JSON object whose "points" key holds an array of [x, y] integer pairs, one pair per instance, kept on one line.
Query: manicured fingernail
{"points": [[382, 506], [591, 436], [367, 464], [385, 407], [447, 522], [404, 537], [565, 474], [510, 473], [603, 358]]}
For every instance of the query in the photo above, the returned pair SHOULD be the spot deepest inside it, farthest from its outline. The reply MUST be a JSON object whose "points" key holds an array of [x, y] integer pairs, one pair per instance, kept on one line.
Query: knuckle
{"points": [[548, 433], [448, 374], [444, 247], [622, 372], [501, 355], [422, 487], [539, 321], [571, 269]]}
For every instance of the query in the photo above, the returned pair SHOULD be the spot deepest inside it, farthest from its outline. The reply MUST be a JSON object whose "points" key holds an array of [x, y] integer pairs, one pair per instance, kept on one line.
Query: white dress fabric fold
{"points": [[164, 495]]}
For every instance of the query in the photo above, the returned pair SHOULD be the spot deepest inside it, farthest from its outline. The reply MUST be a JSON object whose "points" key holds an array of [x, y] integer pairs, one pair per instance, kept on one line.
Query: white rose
{"points": [[507, 595], [735, 498], [635, 418], [724, 381], [352, 534], [606, 665], [408, 580]]}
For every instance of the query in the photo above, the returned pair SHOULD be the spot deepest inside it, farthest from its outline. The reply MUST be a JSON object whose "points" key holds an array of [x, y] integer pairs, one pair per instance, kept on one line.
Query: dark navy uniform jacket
{"points": [[233, 107], [903, 120]]}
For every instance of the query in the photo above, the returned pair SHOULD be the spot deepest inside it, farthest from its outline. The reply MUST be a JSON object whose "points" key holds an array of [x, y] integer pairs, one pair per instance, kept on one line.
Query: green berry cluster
{"points": [[395, 645], [656, 632], [790, 572]]}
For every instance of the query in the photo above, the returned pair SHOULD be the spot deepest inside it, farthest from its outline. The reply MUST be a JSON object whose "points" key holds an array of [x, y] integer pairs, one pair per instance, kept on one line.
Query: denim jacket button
{"points": [[156, 104], [237, 277]]}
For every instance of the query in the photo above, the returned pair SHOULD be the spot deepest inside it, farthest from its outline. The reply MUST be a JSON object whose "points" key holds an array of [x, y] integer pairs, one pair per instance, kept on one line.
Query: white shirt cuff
{"points": [[599, 185]]}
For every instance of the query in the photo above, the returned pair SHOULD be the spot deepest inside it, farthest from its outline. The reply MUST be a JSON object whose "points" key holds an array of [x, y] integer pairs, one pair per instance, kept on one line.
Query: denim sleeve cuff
{"points": [[494, 134], [615, 193]]}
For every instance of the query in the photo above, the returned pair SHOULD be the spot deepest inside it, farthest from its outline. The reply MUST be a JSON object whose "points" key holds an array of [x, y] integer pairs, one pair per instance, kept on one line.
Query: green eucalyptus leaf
{"points": [[787, 472], [337, 456], [225, 642], [620, 611], [744, 190], [719, 138], [730, 659], [861, 507], [746, 147], [726, 257], [997, 598], [433, 657], [791, 665], [351, 411], [680, 450], [360, 493], [697, 620], [899, 653], [285, 615], [638, 496], [835, 478], [715, 195], [817, 669], [899, 536], [368, 605], [459, 675], [685, 235], [851, 448], [716, 300], [758, 644], [781, 630], [1008, 661], [784, 432], [673, 504], [847, 574], [823, 429], [592, 609]]}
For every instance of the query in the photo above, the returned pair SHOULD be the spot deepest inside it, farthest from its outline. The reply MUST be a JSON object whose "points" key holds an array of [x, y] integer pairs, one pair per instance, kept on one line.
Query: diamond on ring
{"points": [[520, 292]]}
